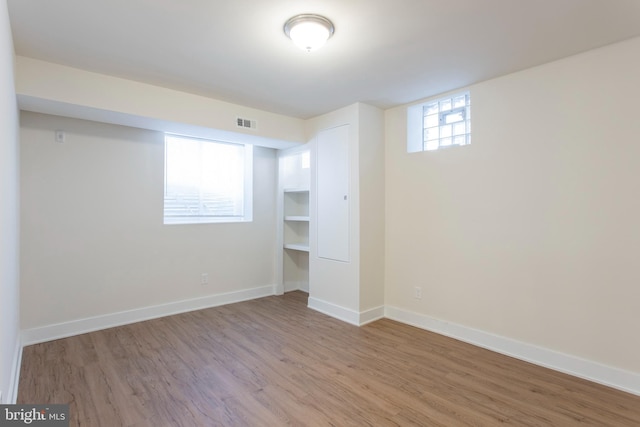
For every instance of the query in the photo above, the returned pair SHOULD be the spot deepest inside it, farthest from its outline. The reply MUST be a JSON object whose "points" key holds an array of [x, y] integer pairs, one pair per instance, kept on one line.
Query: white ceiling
{"points": [[383, 52]]}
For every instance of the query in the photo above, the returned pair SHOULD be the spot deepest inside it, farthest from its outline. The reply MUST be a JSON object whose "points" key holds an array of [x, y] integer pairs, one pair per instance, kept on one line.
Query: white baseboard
{"points": [[330, 309], [296, 286], [612, 377], [12, 393], [371, 315], [278, 289], [346, 314], [81, 326]]}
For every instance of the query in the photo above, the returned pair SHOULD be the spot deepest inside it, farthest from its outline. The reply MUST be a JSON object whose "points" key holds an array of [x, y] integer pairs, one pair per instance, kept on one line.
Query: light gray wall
{"points": [[93, 241], [531, 232], [9, 201]]}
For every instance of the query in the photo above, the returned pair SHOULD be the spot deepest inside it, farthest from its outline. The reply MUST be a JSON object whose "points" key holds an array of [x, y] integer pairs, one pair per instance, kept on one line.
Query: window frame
{"points": [[247, 202]]}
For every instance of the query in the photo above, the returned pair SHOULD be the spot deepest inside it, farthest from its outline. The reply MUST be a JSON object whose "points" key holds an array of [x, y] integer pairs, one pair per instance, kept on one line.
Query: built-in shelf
{"points": [[297, 247], [296, 234], [296, 218]]}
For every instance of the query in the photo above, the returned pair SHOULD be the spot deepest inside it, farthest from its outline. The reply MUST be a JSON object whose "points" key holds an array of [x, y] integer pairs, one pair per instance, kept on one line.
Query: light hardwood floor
{"points": [[273, 362]]}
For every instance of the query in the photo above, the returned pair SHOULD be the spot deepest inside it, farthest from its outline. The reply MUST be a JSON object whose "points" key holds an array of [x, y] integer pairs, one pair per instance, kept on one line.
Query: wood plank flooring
{"points": [[274, 362]]}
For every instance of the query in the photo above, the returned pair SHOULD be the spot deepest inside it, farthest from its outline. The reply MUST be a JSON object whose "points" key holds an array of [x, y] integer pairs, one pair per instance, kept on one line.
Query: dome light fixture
{"points": [[308, 31]]}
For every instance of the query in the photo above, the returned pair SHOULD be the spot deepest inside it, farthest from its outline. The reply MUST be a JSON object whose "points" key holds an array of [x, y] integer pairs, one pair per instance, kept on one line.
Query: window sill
{"points": [[203, 220]]}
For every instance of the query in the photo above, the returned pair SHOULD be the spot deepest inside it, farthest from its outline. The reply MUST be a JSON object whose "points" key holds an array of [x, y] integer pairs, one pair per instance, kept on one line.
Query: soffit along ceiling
{"points": [[383, 52]]}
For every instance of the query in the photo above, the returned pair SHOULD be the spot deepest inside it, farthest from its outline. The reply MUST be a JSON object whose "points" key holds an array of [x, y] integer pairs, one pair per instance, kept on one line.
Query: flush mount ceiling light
{"points": [[308, 31]]}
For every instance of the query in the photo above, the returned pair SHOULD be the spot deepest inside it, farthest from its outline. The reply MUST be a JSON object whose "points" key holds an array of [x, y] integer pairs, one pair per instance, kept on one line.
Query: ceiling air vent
{"points": [[246, 123]]}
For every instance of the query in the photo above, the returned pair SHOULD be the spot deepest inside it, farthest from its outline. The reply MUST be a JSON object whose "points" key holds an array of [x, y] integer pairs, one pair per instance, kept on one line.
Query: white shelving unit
{"points": [[295, 218], [296, 247]]}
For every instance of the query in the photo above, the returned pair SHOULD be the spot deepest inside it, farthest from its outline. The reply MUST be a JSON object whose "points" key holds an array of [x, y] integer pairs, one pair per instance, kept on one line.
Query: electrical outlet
{"points": [[204, 279], [417, 292]]}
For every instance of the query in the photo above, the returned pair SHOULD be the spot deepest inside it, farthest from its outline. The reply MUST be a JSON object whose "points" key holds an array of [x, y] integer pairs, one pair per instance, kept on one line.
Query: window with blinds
{"points": [[206, 181]]}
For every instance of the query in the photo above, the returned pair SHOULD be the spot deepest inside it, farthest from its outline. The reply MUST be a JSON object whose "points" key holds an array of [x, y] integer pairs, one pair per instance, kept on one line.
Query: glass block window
{"points": [[441, 123], [447, 122]]}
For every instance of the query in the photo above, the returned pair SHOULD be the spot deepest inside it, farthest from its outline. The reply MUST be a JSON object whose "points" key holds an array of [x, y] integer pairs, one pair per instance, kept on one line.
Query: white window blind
{"points": [[206, 181]]}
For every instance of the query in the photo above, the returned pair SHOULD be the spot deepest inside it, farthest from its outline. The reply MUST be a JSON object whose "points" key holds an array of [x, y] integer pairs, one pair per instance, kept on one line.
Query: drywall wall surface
{"points": [[93, 239], [531, 232], [9, 215], [56, 89], [372, 209], [336, 282]]}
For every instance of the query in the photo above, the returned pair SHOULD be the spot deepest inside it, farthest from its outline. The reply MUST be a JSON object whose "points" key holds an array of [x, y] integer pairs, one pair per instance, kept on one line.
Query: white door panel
{"points": [[333, 193]]}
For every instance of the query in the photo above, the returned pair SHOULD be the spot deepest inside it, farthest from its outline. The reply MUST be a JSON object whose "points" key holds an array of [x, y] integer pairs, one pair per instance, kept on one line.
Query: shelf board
{"points": [[296, 218], [296, 190], [297, 247]]}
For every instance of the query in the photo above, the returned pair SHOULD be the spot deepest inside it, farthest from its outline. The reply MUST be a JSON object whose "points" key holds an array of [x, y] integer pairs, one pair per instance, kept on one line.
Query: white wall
{"points": [[335, 282], [9, 201], [372, 209], [531, 232], [354, 290], [49, 88], [93, 242]]}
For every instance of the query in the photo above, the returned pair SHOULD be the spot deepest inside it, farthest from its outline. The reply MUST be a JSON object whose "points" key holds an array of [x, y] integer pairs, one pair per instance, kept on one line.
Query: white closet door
{"points": [[333, 193]]}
